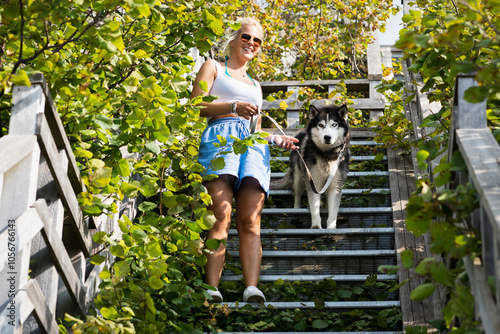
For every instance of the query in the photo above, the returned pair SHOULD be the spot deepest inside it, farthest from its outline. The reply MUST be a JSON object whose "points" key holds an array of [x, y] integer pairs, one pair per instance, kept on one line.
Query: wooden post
{"points": [[467, 115], [374, 59], [293, 117], [18, 193]]}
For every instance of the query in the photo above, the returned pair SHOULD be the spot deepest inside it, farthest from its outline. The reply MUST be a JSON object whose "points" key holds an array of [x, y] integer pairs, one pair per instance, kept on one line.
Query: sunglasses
{"points": [[256, 41]]}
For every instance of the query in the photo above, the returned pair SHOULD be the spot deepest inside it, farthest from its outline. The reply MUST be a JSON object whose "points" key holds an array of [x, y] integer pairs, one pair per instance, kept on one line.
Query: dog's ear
{"points": [[343, 112], [313, 111]]}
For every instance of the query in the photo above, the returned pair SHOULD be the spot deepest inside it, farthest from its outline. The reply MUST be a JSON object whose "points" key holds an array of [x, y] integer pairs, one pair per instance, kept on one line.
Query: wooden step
{"points": [[311, 278], [304, 211], [364, 192], [327, 239], [323, 254], [312, 305], [350, 174], [353, 158], [348, 262], [370, 332], [320, 232]]}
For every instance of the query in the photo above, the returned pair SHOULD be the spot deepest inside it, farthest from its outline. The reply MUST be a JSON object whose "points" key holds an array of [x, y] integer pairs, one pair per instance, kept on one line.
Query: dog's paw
{"points": [[316, 227], [331, 226]]}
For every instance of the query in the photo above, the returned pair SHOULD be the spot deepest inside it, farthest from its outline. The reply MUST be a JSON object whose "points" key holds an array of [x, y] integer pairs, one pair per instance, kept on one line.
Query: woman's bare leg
{"points": [[221, 191], [249, 203]]}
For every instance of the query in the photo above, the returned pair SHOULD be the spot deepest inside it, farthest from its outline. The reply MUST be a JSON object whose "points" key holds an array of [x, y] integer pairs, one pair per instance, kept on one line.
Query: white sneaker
{"points": [[216, 295], [253, 295]]}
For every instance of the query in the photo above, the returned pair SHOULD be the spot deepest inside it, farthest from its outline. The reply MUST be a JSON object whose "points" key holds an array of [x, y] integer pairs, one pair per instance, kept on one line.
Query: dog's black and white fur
{"points": [[320, 144]]}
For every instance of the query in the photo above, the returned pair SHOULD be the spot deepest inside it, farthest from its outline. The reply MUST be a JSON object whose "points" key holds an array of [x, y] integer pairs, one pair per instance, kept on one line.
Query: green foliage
{"points": [[443, 39], [318, 39], [119, 73]]}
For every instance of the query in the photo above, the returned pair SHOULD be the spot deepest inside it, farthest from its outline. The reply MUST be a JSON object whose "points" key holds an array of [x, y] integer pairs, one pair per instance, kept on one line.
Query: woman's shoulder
{"points": [[212, 64]]}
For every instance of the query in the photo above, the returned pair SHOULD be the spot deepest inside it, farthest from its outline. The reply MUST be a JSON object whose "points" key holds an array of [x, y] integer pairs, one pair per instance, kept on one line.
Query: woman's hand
{"points": [[246, 110], [285, 142]]}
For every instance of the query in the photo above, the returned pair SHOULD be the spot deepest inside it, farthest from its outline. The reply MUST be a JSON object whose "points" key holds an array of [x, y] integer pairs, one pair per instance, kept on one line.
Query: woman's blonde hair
{"points": [[244, 21]]}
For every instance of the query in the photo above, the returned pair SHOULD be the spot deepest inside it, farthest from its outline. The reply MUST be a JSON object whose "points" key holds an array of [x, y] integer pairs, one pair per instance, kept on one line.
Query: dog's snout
{"points": [[327, 139]]}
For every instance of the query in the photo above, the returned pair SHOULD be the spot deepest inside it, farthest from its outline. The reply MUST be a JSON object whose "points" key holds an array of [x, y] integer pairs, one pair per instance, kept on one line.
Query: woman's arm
{"points": [[208, 73]]}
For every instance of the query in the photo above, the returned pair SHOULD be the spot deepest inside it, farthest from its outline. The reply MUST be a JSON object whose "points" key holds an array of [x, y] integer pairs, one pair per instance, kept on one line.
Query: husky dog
{"points": [[324, 145]]}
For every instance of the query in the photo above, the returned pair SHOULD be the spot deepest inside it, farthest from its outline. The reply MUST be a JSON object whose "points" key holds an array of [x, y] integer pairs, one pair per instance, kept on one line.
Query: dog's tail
{"points": [[286, 182]]}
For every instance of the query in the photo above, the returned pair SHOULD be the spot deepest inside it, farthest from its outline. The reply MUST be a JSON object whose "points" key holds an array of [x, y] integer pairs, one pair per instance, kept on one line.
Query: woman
{"points": [[245, 176]]}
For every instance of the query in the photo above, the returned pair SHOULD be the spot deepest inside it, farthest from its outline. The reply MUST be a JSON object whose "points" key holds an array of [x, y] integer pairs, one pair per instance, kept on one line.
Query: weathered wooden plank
{"points": [[329, 305], [27, 226], [466, 114], [374, 59], [402, 185], [42, 266], [13, 315], [295, 105], [27, 104], [482, 294], [42, 312], [18, 192], [398, 222], [14, 149], [351, 84], [64, 186], [481, 154], [60, 256], [58, 132], [386, 54]]}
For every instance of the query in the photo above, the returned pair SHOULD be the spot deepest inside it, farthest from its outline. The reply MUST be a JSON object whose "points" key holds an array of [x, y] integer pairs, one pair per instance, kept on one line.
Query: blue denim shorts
{"points": [[253, 163]]}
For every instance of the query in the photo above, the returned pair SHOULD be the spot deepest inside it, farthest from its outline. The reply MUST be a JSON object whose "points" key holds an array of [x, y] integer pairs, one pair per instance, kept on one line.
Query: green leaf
{"points": [[153, 147], [477, 94], [208, 220], [320, 324], [123, 167], [407, 258], [422, 292], [204, 86], [109, 313], [147, 206], [121, 269], [21, 79], [464, 66], [155, 283], [102, 177], [179, 84], [154, 249], [212, 244], [140, 236], [117, 250], [97, 259], [458, 162], [218, 163], [422, 155]]}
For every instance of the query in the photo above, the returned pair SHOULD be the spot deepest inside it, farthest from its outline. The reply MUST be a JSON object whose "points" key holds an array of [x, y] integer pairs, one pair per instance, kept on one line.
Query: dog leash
{"points": [[311, 181]]}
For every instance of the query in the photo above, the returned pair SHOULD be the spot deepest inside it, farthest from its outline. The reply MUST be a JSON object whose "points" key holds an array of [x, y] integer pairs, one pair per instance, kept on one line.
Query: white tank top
{"points": [[229, 89]]}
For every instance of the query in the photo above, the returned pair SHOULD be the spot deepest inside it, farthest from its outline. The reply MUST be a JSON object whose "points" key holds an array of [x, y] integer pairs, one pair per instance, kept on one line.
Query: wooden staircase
{"points": [[328, 280], [346, 258]]}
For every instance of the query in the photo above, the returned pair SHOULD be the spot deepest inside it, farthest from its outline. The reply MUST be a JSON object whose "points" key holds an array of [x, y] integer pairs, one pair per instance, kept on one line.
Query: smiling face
{"points": [[246, 49]]}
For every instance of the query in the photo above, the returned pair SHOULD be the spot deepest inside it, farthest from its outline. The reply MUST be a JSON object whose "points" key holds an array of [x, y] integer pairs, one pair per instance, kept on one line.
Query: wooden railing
{"points": [[45, 240], [481, 152]]}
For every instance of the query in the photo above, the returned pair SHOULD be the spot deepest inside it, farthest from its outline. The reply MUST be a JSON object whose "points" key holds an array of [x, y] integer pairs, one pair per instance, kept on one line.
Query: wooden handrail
{"points": [[42, 226], [481, 153]]}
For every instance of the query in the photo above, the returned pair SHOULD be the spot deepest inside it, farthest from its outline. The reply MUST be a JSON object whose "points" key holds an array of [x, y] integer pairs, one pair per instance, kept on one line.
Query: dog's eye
{"points": [[334, 125], [321, 125]]}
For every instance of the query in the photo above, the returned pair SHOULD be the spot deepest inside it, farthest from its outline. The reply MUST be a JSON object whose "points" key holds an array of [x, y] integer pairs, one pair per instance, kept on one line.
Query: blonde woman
{"points": [[245, 177]]}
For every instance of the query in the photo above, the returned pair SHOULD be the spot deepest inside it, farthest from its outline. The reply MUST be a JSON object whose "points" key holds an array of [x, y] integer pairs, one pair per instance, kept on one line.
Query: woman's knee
{"points": [[248, 226]]}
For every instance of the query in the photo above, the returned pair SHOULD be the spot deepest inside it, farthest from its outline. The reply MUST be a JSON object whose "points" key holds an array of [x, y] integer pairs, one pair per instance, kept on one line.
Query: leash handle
{"points": [[311, 181]]}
